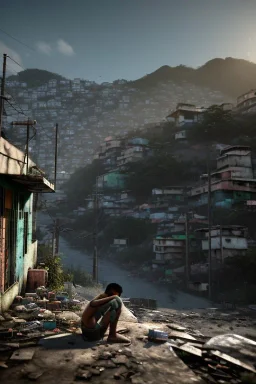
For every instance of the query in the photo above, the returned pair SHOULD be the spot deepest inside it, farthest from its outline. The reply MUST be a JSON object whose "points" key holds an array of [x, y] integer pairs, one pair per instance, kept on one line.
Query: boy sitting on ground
{"points": [[106, 308]]}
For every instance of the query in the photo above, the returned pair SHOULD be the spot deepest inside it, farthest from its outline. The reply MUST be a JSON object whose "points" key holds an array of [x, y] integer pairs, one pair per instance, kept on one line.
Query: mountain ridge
{"points": [[231, 76]]}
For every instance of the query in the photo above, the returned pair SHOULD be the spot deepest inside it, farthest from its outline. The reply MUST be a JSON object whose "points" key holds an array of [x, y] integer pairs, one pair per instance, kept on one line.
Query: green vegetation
{"points": [[157, 171], [78, 276], [81, 183], [35, 77], [136, 255], [237, 279], [56, 274], [218, 126]]}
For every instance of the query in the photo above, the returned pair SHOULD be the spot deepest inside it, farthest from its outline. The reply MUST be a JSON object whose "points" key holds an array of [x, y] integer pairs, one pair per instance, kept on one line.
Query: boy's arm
{"points": [[99, 302]]}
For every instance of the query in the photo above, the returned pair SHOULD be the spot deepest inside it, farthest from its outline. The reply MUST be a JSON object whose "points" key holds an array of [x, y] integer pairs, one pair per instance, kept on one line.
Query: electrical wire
{"points": [[22, 113], [9, 57], [14, 38]]}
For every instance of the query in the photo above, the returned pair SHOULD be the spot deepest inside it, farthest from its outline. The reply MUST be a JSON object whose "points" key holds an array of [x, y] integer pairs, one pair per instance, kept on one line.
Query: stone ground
{"points": [[67, 359]]}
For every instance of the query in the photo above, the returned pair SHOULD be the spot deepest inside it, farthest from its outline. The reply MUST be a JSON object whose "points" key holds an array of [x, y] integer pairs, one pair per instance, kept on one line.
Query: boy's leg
{"points": [[111, 318]]}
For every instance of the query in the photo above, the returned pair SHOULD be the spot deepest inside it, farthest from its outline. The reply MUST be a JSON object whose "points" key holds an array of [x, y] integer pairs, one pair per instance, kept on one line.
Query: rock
{"points": [[83, 375], [7, 316], [3, 365], [121, 359], [104, 364], [105, 355], [20, 308], [18, 321], [34, 375], [95, 372]]}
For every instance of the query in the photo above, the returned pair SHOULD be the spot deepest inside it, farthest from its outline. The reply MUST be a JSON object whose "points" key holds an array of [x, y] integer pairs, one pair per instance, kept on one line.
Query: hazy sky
{"points": [[104, 40]]}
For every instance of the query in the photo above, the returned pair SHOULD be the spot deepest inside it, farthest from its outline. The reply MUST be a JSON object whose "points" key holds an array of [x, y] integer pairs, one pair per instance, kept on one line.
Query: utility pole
{"points": [[95, 235], [57, 235], [2, 92], [187, 272], [56, 155], [221, 245], [27, 123], [54, 239], [27, 142], [209, 231]]}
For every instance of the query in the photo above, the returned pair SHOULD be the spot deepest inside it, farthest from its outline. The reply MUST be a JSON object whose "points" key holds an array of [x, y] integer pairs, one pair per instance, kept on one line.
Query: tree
{"points": [[216, 125], [157, 171], [81, 183]]}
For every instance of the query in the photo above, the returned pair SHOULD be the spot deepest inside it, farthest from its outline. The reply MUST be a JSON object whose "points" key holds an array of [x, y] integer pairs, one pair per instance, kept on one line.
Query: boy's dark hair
{"points": [[114, 287]]}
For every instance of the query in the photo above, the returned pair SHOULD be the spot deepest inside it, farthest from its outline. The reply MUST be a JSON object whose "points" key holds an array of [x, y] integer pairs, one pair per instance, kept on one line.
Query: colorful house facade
{"points": [[20, 182]]}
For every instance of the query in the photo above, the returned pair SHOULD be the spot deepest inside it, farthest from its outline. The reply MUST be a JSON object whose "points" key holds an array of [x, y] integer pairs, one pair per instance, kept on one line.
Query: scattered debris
{"points": [[25, 354]]}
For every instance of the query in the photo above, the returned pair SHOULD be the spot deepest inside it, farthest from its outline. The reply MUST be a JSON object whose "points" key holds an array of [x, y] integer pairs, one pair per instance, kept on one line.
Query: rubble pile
{"points": [[30, 318], [41, 344], [226, 358]]}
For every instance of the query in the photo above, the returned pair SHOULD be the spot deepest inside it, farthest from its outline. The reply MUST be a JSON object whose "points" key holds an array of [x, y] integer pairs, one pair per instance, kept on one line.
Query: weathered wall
{"points": [[20, 257], [8, 296], [227, 243], [30, 261], [12, 160]]}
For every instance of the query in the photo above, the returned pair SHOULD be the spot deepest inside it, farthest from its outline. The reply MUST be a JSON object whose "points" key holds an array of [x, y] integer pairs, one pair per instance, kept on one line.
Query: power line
{"points": [[12, 70], [15, 62], [22, 112], [12, 106], [14, 38]]}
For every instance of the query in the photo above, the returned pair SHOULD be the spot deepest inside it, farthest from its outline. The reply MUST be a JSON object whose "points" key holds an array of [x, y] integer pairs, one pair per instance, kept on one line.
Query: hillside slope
{"points": [[232, 77], [35, 77]]}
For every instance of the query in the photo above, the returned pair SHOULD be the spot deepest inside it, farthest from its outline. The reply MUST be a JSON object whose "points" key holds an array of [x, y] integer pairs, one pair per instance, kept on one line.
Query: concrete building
{"points": [[135, 149], [226, 241], [232, 182], [20, 180], [246, 103], [183, 117], [168, 250], [109, 152]]}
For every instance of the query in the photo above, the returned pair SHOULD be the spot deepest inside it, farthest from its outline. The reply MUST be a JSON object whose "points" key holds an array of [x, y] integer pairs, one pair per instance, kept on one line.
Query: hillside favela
{"points": [[128, 192]]}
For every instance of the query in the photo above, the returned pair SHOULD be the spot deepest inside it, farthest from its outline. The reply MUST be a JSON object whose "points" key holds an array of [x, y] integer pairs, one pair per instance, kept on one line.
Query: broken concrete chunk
{"points": [[180, 335], [23, 354], [176, 327], [235, 346]]}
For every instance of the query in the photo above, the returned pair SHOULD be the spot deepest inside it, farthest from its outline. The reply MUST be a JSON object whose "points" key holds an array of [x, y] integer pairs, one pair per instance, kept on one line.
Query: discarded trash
{"points": [[31, 325], [49, 324], [156, 335]]}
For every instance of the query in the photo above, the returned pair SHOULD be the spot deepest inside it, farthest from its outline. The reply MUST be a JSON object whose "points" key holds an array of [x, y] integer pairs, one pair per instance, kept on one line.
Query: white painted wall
{"points": [[227, 243]]}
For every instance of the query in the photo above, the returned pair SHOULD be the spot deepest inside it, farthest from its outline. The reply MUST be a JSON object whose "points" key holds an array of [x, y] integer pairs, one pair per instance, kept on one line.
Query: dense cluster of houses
{"points": [[175, 209], [87, 113]]}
